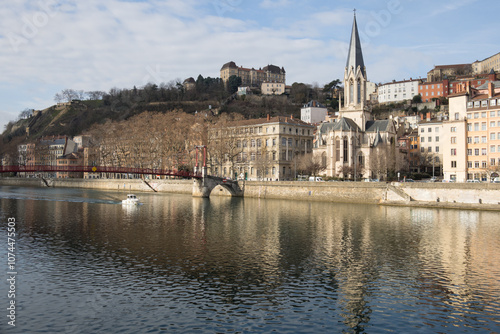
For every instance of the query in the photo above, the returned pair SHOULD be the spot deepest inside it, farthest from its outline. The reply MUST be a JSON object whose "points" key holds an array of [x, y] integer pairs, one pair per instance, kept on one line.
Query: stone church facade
{"points": [[355, 145]]}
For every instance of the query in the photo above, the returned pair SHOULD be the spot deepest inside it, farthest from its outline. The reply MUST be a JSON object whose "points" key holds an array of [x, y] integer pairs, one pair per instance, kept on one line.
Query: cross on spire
{"points": [[354, 11]]}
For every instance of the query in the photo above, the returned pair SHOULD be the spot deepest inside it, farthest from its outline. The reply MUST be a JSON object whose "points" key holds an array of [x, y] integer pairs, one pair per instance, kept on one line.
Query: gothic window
{"points": [[346, 150], [351, 92], [337, 150], [359, 91]]}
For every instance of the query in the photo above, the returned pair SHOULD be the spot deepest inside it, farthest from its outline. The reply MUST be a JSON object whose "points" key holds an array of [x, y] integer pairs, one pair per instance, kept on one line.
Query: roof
{"points": [[314, 103], [378, 126], [275, 119], [230, 64], [274, 69], [343, 124], [355, 55], [439, 67], [485, 85]]}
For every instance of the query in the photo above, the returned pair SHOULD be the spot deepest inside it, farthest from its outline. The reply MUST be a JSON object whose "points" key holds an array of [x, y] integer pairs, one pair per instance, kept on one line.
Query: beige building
{"points": [[259, 149], [473, 143], [252, 77], [486, 65], [356, 145], [272, 88]]}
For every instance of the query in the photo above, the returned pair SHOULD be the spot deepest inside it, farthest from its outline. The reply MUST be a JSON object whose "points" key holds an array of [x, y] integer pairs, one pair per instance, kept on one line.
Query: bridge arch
{"points": [[205, 186]]}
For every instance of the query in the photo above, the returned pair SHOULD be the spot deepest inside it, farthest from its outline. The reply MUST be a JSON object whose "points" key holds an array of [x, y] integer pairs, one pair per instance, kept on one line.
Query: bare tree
{"points": [[311, 164]]}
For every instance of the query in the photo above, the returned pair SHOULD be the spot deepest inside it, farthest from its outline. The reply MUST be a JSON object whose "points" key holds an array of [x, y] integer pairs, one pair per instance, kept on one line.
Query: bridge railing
{"points": [[96, 169]]}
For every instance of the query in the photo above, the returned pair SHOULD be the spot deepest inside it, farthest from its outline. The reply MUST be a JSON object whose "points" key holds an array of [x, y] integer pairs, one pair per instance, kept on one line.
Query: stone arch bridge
{"points": [[203, 187]]}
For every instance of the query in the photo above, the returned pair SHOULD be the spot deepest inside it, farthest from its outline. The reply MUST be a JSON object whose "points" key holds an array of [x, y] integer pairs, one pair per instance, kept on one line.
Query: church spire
{"points": [[355, 55]]}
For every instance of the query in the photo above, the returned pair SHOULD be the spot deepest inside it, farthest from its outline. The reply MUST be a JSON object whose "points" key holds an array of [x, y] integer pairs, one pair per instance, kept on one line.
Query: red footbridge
{"points": [[97, 169]]}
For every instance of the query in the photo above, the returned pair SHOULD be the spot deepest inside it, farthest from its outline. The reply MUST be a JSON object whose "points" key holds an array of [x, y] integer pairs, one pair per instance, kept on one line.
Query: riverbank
{"points": [[470, 196]]}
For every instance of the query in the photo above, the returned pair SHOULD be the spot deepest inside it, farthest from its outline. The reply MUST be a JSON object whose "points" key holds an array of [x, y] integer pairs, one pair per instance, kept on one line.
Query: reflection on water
{"points": [[180, 264]]}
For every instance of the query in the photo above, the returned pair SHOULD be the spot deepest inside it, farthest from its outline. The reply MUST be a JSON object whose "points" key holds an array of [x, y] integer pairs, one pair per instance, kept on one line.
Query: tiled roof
{"points": [[374, 126], [343, 124]]}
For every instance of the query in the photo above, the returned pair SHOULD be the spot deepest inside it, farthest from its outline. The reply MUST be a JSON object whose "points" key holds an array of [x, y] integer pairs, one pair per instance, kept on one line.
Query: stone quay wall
{"points": [[449, 195]]}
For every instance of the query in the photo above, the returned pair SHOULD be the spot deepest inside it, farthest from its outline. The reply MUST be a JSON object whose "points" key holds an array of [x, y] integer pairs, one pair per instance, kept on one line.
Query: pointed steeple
{"points": [[355, 55]]}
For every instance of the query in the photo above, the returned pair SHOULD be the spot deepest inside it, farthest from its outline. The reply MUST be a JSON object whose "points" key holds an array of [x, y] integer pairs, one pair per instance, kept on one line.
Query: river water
{"points": [[176, 264]]}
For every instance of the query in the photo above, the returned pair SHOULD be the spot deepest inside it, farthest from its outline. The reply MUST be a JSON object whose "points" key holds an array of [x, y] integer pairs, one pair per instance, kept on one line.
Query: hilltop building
{"points": [[252, 77], [356, 145], [396, 91]]}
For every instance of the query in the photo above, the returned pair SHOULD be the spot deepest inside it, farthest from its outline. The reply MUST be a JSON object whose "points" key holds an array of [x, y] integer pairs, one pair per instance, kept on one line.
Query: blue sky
{"points": [[50, 45]]}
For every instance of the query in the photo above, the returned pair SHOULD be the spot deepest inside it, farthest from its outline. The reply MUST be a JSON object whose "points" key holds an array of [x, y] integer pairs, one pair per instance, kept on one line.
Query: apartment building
{"points": [[397, 91], [438, 89], [430, 155], [313, 112], [473, 144], [259, 149]]}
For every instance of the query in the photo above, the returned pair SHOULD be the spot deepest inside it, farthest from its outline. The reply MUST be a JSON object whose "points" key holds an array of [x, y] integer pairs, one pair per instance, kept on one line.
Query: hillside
{"points": [[79, 116]]}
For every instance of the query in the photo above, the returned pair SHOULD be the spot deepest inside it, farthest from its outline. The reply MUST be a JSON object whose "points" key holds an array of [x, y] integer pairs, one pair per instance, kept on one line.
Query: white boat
{"points": [[131, 199]]}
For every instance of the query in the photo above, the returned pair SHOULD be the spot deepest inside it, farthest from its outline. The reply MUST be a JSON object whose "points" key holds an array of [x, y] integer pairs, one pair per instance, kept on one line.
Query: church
{"points": [[355, 145]]}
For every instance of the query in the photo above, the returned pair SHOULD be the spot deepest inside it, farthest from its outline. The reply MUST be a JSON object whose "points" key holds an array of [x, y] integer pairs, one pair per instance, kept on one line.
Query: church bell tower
{"points": [[355, 79]]}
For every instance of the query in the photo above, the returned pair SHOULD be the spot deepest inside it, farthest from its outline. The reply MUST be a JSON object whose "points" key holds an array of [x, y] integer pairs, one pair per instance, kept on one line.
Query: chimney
{"points": [[421, 117], [291, 116], [491, 89], [428, 117], [268, 117]]}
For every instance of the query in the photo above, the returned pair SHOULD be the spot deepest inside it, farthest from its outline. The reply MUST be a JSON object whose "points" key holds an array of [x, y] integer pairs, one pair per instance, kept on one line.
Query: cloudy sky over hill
{"points": [[50, 45]]}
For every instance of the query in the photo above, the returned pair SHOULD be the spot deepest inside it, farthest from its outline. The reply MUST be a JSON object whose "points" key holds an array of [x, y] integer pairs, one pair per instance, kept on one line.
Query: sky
{"points": [[50, 45]]}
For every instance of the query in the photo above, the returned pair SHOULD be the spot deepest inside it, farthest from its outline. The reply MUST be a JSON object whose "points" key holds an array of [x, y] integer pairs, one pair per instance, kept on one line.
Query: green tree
{"points": [[233, 83]]}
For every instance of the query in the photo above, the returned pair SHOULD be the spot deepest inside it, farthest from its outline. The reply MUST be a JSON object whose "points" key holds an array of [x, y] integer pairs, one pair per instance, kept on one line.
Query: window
{"points": [[453, 151], [476, 126], [457, 116], [437, 139], [437, 149], [492, 124], [476, 114], [469, 151], [483, 126], [429, 129], [283, 141], [492, 136], [476, 151], [453, 129], [483, 164], [492, 114], [453, 164], [483, 139], [469, 140], [492, 148], [252, 142], [469, 164], [469, 127], [422, 149], [476, 164], [429, 139], [436, 129], [453, 140], [483, 151], [422, 130], [429, 149], [422, 139], [476, 140], [244, 143]]}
